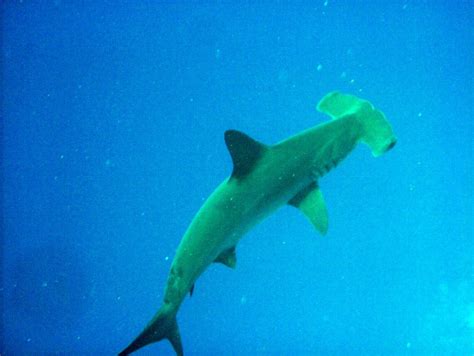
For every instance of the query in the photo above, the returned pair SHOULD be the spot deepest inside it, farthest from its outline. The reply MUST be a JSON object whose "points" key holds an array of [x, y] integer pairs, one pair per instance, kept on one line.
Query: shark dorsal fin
{"points": [[244, 150], [311, 202]]}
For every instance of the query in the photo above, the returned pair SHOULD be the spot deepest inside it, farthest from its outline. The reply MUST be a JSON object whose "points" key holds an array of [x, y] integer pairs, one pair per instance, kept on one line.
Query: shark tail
{"points": [[376, 130], [162, 326]]}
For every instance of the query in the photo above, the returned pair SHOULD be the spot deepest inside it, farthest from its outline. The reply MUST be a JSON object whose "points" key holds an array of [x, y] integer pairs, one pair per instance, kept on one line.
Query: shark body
{"points": [[264, 179]]}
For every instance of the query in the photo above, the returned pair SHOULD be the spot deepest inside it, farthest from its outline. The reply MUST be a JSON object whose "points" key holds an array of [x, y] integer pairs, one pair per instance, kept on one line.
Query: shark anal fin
{"points": [[311, 202], [244, 150], [191, 291], [227, 257]]}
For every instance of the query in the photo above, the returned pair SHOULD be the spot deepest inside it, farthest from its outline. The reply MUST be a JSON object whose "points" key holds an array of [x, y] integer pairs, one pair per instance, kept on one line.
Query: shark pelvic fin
{"points": [[244, 150], [227, 257], [311, 202]]}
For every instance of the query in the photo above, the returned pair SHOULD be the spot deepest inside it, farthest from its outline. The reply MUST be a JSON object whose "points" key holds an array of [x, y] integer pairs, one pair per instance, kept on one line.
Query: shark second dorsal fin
{"points": [[244, 150], [311, 202]]}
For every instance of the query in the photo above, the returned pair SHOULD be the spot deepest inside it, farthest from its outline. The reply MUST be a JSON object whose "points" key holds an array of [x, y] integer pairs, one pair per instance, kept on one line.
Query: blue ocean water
{"points": [[113, 115]]}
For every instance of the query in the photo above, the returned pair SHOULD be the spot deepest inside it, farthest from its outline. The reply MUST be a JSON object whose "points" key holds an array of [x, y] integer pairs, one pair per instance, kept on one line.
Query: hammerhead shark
{"points": [[264, 178]]}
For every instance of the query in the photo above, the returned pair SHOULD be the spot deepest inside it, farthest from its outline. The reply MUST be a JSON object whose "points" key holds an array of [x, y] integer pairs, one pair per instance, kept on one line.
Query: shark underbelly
{"points": [[228, 214]]}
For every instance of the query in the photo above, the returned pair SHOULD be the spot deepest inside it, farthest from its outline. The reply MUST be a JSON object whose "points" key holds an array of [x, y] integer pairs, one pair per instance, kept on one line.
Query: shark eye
{"points": [[391, 144]]}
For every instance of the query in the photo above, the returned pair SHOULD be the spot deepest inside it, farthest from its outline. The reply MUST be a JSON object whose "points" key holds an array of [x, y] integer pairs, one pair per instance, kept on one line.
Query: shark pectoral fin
{"points": [[191, 291], [244, 150], [311, 202], [227, 257]]}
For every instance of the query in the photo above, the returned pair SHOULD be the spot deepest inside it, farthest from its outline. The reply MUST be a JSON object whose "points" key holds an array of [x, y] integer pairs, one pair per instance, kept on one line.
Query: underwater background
{"points": [[113, 120]]}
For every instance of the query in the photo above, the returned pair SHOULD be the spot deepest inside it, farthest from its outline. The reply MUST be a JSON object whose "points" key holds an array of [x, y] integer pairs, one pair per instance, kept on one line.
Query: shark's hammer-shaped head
{"points": [[376, 130]]}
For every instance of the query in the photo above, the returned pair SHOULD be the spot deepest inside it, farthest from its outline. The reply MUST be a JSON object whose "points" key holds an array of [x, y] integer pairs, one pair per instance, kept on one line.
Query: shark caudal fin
{"points": [[162, 326], [377, 132]]}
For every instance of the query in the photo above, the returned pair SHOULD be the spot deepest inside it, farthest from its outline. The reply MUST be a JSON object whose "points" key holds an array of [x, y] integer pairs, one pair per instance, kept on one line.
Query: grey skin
{"points": [[264, 179]]}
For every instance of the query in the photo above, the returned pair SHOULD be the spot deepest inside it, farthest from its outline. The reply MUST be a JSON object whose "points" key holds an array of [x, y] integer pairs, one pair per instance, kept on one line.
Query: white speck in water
{"points": [[78, 338], [420, 114], [119, 297], [326, 3], [28, 340], [408, 345], [411, 187], [319, 67], [343, 75], [61, 157], [405, 7], [44, 284], [352, 81], [243, 300], [218, 53], [167, 258], [283, 242]]}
